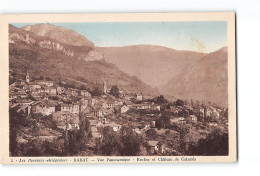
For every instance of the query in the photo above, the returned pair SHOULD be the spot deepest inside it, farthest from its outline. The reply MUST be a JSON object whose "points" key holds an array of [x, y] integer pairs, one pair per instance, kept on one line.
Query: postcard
{"points": [[118, 88]]}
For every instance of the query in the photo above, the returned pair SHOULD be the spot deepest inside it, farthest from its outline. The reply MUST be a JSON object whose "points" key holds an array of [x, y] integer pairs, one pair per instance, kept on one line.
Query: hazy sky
{"points": [[195, 36]]}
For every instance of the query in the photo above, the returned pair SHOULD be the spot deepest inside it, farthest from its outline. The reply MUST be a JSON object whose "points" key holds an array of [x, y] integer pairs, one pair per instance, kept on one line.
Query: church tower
{"points": [[105, 87], [27, 77]]}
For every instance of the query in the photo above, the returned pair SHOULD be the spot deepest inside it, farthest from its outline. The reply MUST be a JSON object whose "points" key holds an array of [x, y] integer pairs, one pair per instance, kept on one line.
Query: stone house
{"points": [[84, 93], [44, 108], [179, 120], [64, 107], [33, 85], [192, 118], [75, 108], [24, 102], [155, 107], [124, 109], [45, 83], [21, 94], [152, 147], [138, 96], [74, 92], [50, 90]]}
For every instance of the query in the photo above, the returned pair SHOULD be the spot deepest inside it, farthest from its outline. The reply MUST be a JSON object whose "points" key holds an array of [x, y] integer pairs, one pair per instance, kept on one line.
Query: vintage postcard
{"points": [[118, 88]]}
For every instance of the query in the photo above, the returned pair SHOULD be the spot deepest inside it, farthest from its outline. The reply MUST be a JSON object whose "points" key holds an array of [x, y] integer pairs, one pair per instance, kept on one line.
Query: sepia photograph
{"points": [[119, 89], [110, 87]]}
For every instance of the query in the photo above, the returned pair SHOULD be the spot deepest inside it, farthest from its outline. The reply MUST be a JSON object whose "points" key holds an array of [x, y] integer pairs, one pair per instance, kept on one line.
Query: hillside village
{"points": [[65, 120]]}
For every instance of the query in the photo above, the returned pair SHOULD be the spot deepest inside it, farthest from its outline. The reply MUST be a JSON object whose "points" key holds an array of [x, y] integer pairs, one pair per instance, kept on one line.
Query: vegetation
{"points": [[215, 144], [163, 122], [96, 92], [111, 141], [114, 91], [161, 100], [179, 102], [130, 142], [151, 133], [126, 143]]}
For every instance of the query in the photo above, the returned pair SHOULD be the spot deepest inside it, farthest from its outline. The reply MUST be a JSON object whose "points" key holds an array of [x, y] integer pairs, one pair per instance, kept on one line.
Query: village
{"points": [[153, 126]]}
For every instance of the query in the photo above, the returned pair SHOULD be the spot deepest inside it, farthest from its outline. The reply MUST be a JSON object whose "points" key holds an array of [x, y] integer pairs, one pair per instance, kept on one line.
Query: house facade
{"points": [[24, 102], [45, 83], [43, 108], [50, 90], [124, 109], [84, 93], [138, 97]]}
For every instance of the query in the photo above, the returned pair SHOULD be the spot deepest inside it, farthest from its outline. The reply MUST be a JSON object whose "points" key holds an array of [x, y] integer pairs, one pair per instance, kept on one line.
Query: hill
{"points": [[154, 65], [206, 80], [177, 74]]}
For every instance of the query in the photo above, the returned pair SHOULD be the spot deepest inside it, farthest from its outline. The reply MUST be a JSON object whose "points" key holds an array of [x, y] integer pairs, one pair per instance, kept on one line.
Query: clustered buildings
{"points": [[68, 106]]}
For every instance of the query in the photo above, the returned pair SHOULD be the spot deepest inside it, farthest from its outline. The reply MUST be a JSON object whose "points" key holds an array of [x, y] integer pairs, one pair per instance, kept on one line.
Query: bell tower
{"points": [[27, 77], [105, 87]]}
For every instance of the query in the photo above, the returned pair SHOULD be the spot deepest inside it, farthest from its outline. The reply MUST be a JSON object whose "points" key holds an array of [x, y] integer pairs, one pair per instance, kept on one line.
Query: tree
{"points": [[82, 87], [72, 145], [33, 148], [114, 91], [163, 122], [151, 133], [226, 113], [179, 102], [48, 79], [12, 80], [160, 99], [215, 144], [183, 132], [14, 127], [86, 128], [41, 77], [130, 142], [111, 142], [78, 139], [159, 123], [35, 128], [96, 92], [191, 102]]}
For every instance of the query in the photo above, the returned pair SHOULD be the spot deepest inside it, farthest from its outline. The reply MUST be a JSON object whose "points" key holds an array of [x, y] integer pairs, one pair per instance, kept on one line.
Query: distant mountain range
{"points": [[206, 80], [176, 74], [146, 68], [154, 65]]}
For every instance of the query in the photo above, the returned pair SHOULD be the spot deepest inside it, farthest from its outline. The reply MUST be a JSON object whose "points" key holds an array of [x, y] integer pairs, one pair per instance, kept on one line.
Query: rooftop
{"points": [[24, 101], [152, 143]]}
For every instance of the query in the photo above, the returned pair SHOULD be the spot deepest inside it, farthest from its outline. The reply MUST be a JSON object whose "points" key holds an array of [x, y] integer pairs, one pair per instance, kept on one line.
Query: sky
{"points": [[201, 36]]}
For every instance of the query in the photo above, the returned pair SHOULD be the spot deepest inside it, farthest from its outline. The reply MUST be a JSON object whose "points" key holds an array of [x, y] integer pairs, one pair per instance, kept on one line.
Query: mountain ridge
{"points": [[58, 33]]}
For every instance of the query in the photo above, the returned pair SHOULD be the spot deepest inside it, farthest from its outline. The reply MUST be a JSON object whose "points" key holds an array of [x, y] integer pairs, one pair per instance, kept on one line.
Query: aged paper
{"points": [[118, 88]]}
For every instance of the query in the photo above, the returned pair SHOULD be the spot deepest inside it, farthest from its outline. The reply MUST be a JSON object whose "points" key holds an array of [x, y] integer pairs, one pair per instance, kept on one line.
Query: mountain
{"points": [[87, 53], [44, 50], [60, 34], [48, 57], [154, 65], [176, 74], [206, 80]]}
